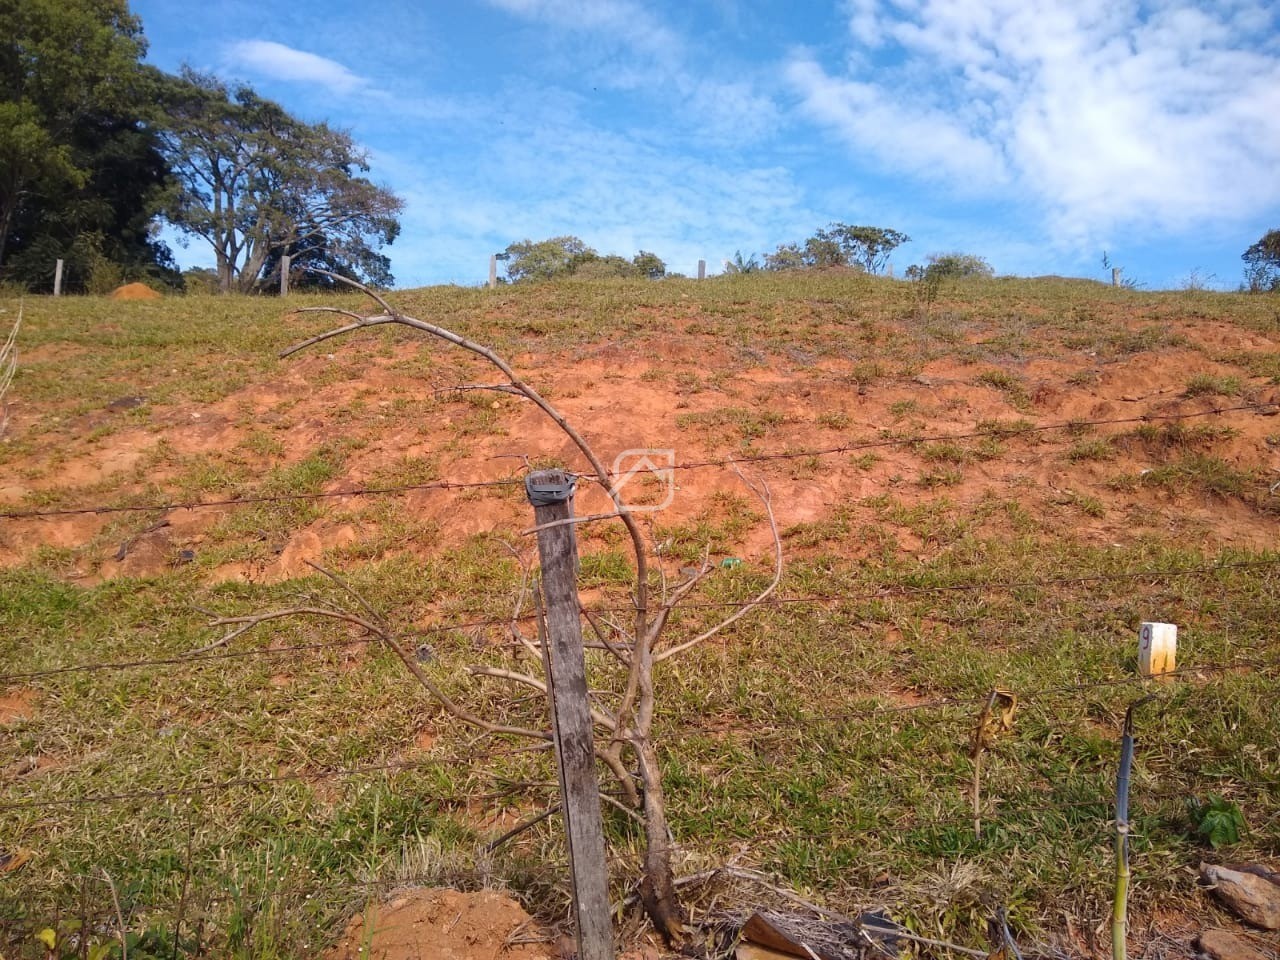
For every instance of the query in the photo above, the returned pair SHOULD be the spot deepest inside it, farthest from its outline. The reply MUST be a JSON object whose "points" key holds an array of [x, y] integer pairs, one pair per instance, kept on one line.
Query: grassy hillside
{"points": [[979, 485]]}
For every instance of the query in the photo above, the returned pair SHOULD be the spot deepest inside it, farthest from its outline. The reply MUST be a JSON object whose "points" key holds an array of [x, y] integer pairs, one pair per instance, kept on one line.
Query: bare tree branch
{"points": [[8, 369], [378, 629], [523, 678], [762, 491], [597, 466]]}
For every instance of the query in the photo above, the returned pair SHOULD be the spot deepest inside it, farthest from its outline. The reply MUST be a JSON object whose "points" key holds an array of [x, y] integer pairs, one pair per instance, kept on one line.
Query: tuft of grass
{"points": [[1207, 384], [748, 424], [1007, 383], [1091, 448]]}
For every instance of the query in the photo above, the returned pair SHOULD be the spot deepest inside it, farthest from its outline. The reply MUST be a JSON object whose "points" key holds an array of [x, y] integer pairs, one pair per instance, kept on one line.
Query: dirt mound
{"points": [[445, 925], [16, 705], [134, 291]]}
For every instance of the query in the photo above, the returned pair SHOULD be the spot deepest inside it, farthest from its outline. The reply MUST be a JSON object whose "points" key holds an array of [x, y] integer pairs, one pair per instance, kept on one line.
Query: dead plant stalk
{"points": [[626, 728]]}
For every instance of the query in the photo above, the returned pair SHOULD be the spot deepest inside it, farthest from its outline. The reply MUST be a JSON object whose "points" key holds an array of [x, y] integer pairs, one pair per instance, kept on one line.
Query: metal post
{"points": [[493, 270], [551, 494], [702, 269], [57, 279], [285, 263]]}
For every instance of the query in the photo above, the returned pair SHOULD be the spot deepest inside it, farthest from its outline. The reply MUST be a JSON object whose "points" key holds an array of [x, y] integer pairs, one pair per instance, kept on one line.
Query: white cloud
{"points": [[625, 47], [618, 193], [280, 62], [628, 22], [1105, 114]]}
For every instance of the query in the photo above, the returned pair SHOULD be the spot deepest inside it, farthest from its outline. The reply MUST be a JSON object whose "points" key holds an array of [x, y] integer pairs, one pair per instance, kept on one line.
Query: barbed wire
{"points": [[349, 773], [239, 783], [1009, 431], [1045, 692], [274, 498], [878, 593], [180, 660], [1006, 814]]}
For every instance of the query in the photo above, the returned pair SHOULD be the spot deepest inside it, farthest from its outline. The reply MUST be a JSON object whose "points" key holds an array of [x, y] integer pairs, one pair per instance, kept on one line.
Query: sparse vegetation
{"points": [[817, 741]]}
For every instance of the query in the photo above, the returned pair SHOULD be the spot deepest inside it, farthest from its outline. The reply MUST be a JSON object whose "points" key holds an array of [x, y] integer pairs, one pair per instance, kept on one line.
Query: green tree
{"points": [[546, 259], [568, 256], [740, 264], [839, 245], [867, 247], [81, 175], [1262, 263], [951, 266], [788, 256], [255, 183], [649, 265]]}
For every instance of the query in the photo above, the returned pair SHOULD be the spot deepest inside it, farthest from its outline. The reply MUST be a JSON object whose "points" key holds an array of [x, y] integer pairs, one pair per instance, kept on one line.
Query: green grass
{"points": [[787, 741], [1207, 384]]}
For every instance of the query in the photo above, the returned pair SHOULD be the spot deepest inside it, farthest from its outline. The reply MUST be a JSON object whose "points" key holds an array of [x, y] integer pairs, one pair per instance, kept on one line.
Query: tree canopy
{"points": [[1262, 263], [257, 184], [568, 256], [81, 174], [951, 266], [839, 245]]}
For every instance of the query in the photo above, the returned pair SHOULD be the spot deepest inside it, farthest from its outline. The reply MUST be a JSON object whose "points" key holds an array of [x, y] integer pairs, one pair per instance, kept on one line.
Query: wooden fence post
{"points": [[1115, 276], [493, 270], [285, 263], [551, 494], [57, 279], [702, 269]]}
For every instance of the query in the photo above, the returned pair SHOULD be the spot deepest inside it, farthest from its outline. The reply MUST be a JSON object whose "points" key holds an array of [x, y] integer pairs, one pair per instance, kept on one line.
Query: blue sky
{"points": [[1036, 134]]}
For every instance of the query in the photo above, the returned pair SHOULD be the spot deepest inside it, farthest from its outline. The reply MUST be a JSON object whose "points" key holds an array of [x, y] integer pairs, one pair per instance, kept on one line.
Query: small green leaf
{"points": [[1219, 821]]}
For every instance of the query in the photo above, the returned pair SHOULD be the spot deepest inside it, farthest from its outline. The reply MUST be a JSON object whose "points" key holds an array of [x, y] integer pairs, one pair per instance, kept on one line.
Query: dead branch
{"points": [[496, 387], [528, 681], [521, 827], [8, 369], [360, 324], [762, 491], [390, 315], [378, 629], [246, 623], [571, 521], [619, 654]]}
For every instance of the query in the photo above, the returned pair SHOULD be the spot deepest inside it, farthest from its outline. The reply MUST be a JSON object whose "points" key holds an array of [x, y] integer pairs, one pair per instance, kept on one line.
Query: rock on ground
{"points": [[1255, 899], [1219, 944]]}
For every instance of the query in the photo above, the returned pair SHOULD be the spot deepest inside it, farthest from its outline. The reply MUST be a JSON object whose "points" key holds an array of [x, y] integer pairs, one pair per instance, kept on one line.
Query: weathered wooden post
{"points": [[551, 494], [702, 269], [1115, 276], [493, 270], [57, 279], [285, 263]]}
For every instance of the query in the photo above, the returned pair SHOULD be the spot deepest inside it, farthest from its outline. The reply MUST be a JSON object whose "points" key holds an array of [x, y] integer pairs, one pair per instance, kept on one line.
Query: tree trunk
{"points": [[657, 883], [6, 218]]}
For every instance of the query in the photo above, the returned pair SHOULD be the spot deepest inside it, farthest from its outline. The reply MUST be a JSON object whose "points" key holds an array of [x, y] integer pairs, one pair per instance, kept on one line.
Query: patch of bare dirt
{"points": [[445, 925], [134, 291], [676, 392], [16, 705]]}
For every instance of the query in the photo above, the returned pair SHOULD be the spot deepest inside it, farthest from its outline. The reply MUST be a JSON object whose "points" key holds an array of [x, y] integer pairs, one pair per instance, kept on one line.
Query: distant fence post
{"points": [[57, 279], [1115, 276], [493, 270], [551, 494], [702, 269], [285, 263]]}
